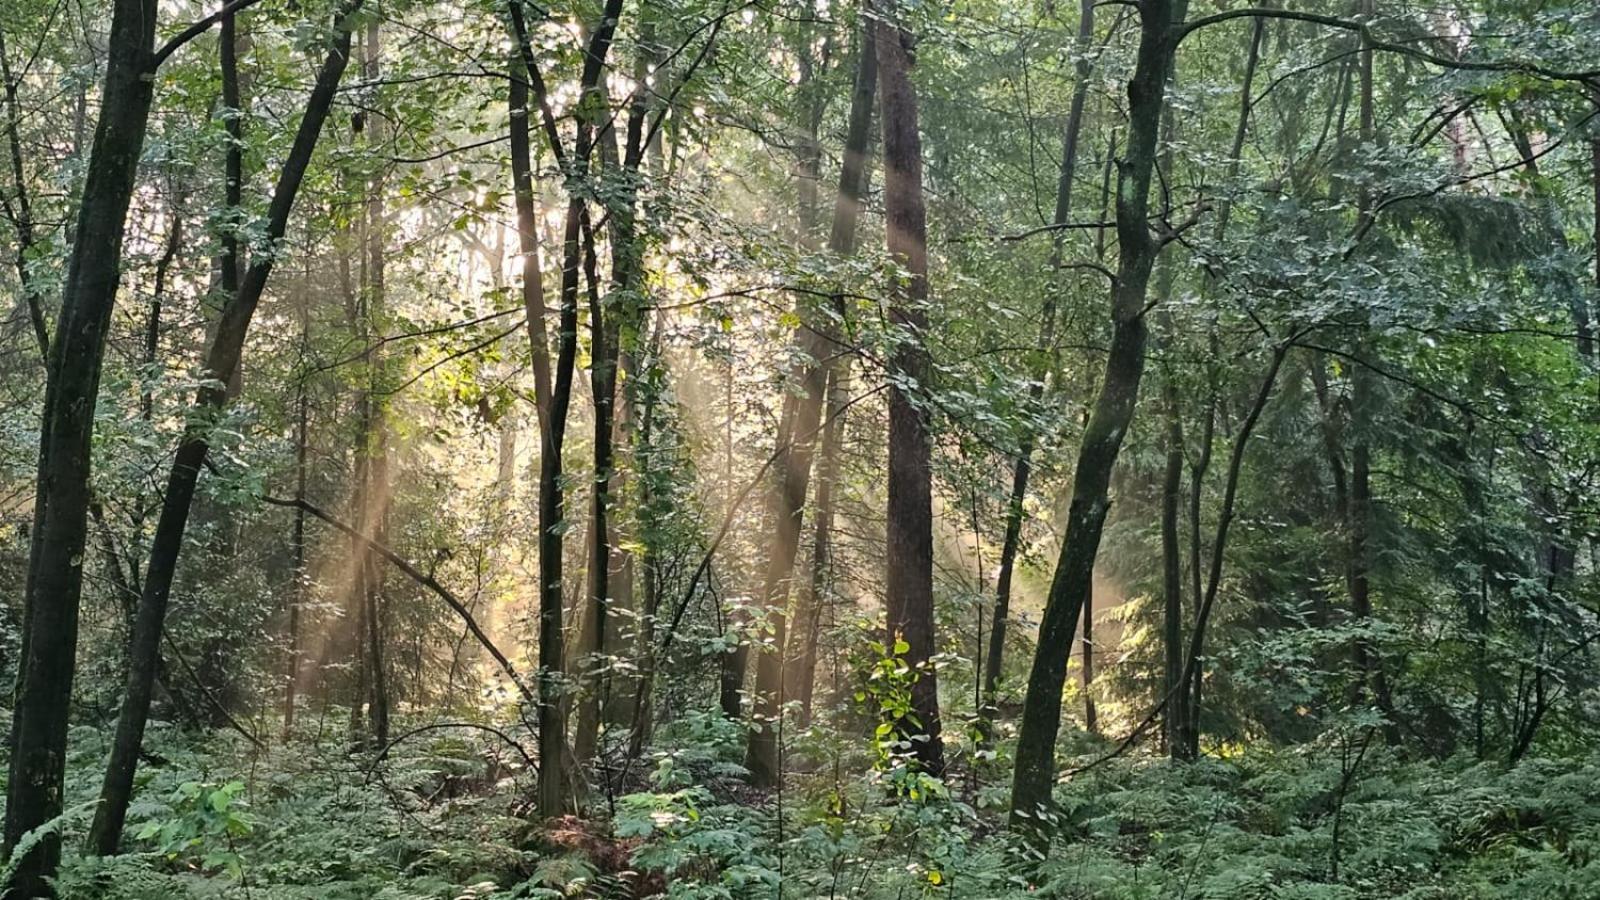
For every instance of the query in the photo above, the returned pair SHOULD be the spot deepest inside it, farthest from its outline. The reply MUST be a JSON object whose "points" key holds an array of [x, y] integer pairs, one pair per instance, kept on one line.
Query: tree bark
{"points": [[221, 360], [378, 489], [796, 443], [297, 539], [1194, 671], [613, 319], [61, 501], [909, 556], [1113, 412]]}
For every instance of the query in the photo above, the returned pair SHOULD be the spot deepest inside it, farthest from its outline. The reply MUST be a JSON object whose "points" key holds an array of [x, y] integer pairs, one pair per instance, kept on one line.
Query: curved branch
{"points": [[196, 29], [440, 726], [420, 577], [1589, 76]]}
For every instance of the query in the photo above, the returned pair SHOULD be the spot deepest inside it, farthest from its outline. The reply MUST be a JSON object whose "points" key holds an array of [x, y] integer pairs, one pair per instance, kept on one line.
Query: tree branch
{"points": [[196, 29], [417, 575], [1587, 76]]}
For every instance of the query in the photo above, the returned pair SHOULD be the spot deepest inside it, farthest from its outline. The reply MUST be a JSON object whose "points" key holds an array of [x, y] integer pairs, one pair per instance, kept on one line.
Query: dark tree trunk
{"points": [[378, 495], [221, 360], [1358, 570], [735, 661], [1022, 469], [610, 318], [553, 388], [61, 502], [18, 208], [297, 539], [1176, 717], [604, 334], [552, 726], [1358, 523], [1194, 671], [1113, 412], [1187, 703], [158, 296], [909, 594]]}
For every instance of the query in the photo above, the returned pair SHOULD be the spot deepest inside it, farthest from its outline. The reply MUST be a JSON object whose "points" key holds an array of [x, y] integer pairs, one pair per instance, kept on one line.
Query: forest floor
{"points": [[444, 816]]}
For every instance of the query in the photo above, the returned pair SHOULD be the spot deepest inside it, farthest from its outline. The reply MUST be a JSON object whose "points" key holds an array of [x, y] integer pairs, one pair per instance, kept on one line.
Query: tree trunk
{"points": [[379, 493], [1176, 717], [297, 540], [611, 319], [1022, 469], [553, 388], [1358, 565], [551, 726], [1359, 522], [909, 556], [1113, 412], [221, 360], [604, 335], [801, 660], [1194, 671], [796, 448], [19, 209], [816, 341], [61, 501]]}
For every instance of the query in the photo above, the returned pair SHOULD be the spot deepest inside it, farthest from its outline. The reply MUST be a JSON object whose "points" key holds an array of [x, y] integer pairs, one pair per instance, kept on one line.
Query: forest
{"points": [[879, 449]]}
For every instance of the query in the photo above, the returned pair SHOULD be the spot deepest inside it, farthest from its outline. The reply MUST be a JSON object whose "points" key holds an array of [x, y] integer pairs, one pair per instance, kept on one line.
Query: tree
{"points": [[909, 556], [222, 360], [61, 502], [1109, 421], [554, 387]]}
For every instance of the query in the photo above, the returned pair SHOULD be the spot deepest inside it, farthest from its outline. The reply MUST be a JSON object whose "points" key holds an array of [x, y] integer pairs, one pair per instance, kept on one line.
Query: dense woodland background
{"points": [[704, 448]]}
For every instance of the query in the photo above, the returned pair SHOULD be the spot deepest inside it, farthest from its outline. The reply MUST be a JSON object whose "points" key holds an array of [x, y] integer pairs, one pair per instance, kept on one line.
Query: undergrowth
{"points": [[443, 816]]}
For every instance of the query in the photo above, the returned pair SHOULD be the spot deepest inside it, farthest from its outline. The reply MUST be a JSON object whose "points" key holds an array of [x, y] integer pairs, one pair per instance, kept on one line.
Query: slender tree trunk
{"points": [[909, 556], [1108, 423], [554, 388], [1359, 566], [612, 318], [61, 501], [796, 442], [1194, 671], [796, 447], [18, 208], [1189, 701], [378, 487], [1022, 469], [552, 725], [152, 327], [735, 661], [221, 360], [1358, 526], [297, 540], [604, 336], [800, 678], [1176, 717]]}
